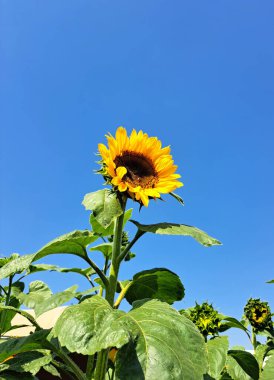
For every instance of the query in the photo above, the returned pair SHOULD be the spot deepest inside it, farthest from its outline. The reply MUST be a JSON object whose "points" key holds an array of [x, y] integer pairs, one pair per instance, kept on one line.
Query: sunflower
{"points": [[138, 165]]}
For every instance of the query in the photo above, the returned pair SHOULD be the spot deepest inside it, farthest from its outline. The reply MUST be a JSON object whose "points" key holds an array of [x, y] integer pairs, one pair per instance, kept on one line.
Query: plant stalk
{"points": [[102, 359]]}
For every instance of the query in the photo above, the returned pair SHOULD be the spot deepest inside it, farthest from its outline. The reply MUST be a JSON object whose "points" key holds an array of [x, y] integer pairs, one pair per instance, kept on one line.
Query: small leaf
{"points": [[178, 229], [270, 282], [217, 354], [164, 345], [157, 283], [89, 327], [38, 292], [25, 314], [105, 248], [17, 265], [178, 198], [105, 206], [247, 362], [101, 231]]}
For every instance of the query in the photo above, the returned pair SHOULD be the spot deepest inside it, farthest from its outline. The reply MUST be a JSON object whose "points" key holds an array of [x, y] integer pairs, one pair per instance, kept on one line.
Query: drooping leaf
{"points": [[178, 229], [247, 366], [105, 206], [24, 314], [98, 229], [217, 354], [164, 345], [15, 346], [178, 198], [231, 322], [268, 369], [89, 327], [54, 268], [157, 283]]}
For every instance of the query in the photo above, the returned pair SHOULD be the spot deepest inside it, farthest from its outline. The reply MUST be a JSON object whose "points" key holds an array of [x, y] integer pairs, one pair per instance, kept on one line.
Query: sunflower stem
{"points": [[102, 360]]}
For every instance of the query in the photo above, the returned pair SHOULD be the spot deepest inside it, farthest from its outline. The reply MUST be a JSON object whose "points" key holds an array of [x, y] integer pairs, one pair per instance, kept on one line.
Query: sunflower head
{"points": [[206, 318], [138, 166], [258, 314]]}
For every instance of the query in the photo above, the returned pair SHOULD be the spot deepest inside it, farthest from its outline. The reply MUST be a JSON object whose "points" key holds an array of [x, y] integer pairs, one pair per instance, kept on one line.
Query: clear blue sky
{"points": [[197, 74]]}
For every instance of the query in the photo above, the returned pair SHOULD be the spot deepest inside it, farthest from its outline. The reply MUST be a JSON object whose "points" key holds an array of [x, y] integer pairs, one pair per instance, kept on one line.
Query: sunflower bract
{"points": [[138, 165]]}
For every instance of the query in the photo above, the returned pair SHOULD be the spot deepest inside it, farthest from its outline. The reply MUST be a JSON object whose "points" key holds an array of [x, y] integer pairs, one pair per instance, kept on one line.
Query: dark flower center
{"points": [[140, 169]]}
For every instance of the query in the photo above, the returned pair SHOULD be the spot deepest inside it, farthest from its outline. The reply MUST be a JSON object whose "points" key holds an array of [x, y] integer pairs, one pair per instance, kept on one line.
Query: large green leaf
{"points": [[15, 346], [74, 243], [178, 229], [268, 369], [165, 345], [105, 206], [157, 283], [89, 327], [98, 229], [27, 362], [242, 365], [217, 354]]}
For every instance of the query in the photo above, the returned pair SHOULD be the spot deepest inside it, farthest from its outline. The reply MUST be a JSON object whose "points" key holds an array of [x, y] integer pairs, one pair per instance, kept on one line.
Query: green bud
{"points": [[206, 318], [258, 314]]}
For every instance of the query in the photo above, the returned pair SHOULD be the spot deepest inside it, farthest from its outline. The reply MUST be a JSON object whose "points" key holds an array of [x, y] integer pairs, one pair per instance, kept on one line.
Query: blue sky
{"points": [[197, 74]]}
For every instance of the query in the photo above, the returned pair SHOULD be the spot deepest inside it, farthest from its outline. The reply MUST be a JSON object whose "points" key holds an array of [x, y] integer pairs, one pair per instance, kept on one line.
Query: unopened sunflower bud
{"points": [[258, 314], [206, 318]]}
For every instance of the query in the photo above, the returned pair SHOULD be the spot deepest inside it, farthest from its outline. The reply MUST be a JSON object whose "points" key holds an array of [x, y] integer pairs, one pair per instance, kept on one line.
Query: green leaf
{"points": [[157, 283], [105, 248], [38, 292], [178, 198], [178, 229], [17, 265], [260, 353], [217, 354], [164, 345], [231, 322], [247, 363], [74, 243], [54, 268], [105, 206], [101, 231], [15, 346], [268, 370], [28, 362], [270, 282], [55, 300], [89, 327]]}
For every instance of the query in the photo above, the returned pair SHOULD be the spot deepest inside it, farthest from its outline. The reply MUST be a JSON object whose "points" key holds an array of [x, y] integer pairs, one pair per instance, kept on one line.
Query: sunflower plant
{"points": [[152, 340]]}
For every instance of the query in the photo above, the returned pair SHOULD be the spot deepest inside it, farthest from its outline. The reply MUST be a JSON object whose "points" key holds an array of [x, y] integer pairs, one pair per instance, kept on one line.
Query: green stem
{"points": [[129, 246], [97, 270], [89, 369], [68, 361], [101, 365], [122, 295], [102, 360], [9, 291], [253, 339]]}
